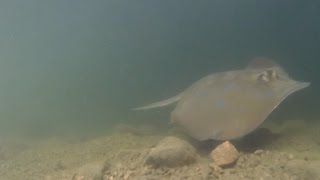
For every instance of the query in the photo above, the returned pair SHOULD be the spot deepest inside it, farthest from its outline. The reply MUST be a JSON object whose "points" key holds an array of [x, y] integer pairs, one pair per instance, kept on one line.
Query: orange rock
{"points": [[225, 154]]}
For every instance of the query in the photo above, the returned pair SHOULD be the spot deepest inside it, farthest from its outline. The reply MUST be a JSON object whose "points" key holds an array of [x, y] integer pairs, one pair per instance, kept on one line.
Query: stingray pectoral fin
{"points": [[160, 103]]}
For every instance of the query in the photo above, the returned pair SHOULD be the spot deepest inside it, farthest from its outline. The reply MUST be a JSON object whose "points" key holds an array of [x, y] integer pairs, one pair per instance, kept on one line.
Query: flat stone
{"points": [[224, 154], [171, 152], [89, 171], [258, 152]]}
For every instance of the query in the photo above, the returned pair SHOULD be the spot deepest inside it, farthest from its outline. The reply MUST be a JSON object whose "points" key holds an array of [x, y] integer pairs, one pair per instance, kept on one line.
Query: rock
{"points": [[290, 156], [225, 154], [92, 170], [258, 152], [215, 167], [171, 152]]}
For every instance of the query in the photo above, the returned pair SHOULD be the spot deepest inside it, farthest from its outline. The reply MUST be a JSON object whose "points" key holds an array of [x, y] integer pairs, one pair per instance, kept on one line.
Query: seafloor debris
{"points": [[225, 154]]}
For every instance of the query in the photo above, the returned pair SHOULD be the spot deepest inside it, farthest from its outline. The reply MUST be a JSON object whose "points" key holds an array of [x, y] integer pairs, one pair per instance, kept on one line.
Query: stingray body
{"points": [[231, 104]]}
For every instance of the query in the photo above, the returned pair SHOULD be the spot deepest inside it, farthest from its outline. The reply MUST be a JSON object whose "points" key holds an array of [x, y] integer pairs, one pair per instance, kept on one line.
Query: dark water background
{"points": [[78, 66]]}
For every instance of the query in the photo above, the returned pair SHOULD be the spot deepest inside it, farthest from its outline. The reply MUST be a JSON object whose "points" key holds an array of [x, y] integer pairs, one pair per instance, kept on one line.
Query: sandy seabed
{"points": [[291, 151]]}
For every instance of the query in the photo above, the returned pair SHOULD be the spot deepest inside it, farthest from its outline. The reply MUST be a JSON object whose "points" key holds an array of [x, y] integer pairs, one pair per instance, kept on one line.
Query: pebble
{"points": [[258, 152], [225, 154], [290, 156], [126, 176], [215, 167]]}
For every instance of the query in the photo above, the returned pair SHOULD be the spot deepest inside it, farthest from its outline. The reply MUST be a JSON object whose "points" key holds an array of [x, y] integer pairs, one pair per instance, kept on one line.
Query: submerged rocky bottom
{"points": [[290, 151]]}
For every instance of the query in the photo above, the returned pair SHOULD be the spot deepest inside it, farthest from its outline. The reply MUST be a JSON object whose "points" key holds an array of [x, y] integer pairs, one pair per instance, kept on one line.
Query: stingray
{"points": [[228, 105]]}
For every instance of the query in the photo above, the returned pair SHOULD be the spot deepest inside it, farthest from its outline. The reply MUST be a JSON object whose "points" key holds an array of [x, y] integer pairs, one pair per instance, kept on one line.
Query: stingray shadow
{"points": [[261, 138]]}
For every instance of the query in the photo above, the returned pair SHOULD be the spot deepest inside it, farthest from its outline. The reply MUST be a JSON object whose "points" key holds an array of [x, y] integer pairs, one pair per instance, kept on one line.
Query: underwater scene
{"points": [[150, 89]]}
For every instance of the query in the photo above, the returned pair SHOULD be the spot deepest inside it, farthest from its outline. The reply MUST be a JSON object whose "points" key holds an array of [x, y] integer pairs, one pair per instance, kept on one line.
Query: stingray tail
{"points": [[160, 103]]}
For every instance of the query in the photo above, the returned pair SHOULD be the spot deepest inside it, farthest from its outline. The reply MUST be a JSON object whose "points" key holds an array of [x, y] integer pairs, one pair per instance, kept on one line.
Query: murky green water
{"points": [[77, 67]]}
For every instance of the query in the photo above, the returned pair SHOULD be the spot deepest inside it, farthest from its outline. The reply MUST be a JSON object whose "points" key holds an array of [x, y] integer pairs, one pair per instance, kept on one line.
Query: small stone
{"points": [[215, 167], [258, 152], [77, 177], [126, 176], [225, 154], [290, 156], [146, 170]]}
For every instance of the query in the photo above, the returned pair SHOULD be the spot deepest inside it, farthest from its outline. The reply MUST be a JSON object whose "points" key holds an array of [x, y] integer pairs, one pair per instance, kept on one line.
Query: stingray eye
{"points": [[264, 77], [273, 75], [268, 75]]}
